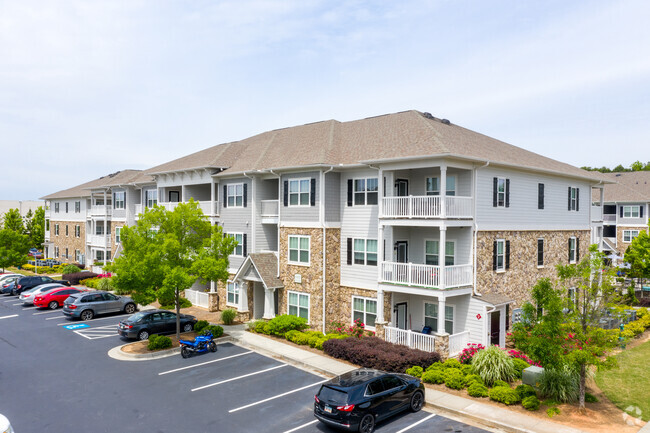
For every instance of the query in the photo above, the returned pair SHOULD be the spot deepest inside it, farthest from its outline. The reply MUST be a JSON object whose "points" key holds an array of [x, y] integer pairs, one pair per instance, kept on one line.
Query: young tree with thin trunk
{"points": [[14, 247]]}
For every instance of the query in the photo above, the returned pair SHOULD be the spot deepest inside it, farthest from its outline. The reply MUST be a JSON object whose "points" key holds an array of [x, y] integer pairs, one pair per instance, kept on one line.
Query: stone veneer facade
{"points": [[621, 246], [517, 281], [115, 224], [71, 242]]}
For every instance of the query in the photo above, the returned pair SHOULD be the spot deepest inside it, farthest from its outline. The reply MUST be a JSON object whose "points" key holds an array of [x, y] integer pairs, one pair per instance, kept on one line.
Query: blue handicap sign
{"points": [[77, 326]]}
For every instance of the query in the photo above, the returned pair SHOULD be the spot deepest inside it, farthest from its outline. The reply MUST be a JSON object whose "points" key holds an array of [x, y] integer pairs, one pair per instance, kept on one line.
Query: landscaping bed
{"points": [[140, 347]]}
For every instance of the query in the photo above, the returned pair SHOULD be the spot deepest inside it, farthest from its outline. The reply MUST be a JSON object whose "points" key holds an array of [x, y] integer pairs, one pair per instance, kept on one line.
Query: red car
{"points": [[54, 298]]}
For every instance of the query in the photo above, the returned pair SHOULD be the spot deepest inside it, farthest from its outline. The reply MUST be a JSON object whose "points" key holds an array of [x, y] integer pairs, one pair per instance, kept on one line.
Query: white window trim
{"points": [[575, 243], [631, 209], [574, 198], [365, 252], [453, 314], [239, 244], [235, 195], [298, 306], [434, 193], [503, 267], [437, 253], [499, 179], [147, 202], [121, 202], [118, 235], [289, 261], [630, 235], [289, 193], [543, 253], [365, 191], [365, 312], [237, 294]]}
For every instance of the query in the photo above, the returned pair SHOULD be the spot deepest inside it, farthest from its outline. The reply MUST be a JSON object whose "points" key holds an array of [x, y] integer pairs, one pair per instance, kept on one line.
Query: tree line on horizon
{"points": [[635, 166]]}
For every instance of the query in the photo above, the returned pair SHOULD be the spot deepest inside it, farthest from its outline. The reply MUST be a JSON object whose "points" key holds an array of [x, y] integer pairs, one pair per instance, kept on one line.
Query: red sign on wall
{"points": [[478, 316]]}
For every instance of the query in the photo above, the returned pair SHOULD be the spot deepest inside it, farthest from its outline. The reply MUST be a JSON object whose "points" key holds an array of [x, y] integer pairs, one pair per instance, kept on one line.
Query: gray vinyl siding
{"points": [[474, 325], [120, 213], [417, 237], [461, 307], [333, 197], [132, 198], [266, 235], [237, 219], [359, 222], [301, 213], [199, 192], [417, 180], [523, 212], [631, 221]]}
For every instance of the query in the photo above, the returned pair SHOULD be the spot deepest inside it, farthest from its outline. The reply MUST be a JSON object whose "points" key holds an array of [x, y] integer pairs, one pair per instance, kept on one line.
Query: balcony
{"points": [[609, 218], [47, 236], [428, 206], [426, 276], [101, 241], [596, 213], [270, 211], [100, 210]]}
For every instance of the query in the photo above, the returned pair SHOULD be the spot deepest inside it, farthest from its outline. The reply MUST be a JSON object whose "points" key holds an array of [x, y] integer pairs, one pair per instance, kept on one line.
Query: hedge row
{"points": [[78, 276], [373, 352]]}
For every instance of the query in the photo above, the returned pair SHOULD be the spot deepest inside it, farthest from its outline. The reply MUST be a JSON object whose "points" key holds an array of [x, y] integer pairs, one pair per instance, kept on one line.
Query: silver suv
{"points": [[88, 305]]}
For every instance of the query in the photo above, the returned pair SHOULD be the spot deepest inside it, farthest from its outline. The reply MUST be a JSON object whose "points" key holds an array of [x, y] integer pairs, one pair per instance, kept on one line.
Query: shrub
{"points": [[105, 284], [468, 353], [158, 342], [590, 398], [200, 325], [373, 352], [471, 379], [477, 390], [451, 363], [435, 366], [559, 384], [433, 376], [313, 340], [301, 338], [466, 369], [89, 282], [261, 327], [215, 330], [281, 324], [504, 395], [525, 391], [454, 379], [70, 269], [228, 316], [520, 365], [184, 303], [493, 364], [415, 371], [500, 383], [291, 335], [552, 411], [518, 354], [531, 403], [76, 277]]}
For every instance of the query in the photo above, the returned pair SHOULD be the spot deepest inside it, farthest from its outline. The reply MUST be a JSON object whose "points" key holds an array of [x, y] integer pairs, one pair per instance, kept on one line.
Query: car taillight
{"points": [[72, 306], [18, 286], [316, 398], [346, 408]]}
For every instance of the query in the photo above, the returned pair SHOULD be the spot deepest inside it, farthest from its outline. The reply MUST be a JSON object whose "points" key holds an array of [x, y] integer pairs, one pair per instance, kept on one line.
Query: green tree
{"points": [[36, 227], [638, 256], [14, 247], [13, 221], [165, 252], [637, 166]]}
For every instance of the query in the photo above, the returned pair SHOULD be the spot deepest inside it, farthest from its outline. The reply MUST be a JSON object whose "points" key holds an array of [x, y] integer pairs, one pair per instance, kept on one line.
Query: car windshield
{"points": [[333, 396], [136, 317]]}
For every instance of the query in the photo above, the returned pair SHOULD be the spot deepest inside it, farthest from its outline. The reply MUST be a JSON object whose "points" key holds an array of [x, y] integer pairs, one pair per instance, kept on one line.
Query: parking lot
{"points": [[56, 376]]}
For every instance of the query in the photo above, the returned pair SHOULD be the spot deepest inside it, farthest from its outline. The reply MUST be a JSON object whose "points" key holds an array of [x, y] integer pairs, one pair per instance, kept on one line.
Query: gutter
{"points": [[324, 242], [279, 208], [476, 293], [253, 209]]}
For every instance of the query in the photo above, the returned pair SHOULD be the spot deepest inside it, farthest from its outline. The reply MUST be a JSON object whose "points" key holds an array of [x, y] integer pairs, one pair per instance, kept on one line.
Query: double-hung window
{"points": [[235, 195], [56, 229], [432, 185], [431, 317], [631, 211], [365, 252], [431, 251], [118, 235], [299, 190], [56, 252], [77, 207], [56, 207], [77, 231], [239, 249], [574, 199], [628, 235], [233, 294], [501, 192], [299, 249], [151, 198], [119, 201], [298, 304], [573, 250], [501, 255], [364, 309], [366, 191]]}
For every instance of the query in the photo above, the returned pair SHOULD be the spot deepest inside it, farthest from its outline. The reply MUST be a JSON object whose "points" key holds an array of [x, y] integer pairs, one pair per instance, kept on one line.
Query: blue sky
{"points": [[91, 87]]}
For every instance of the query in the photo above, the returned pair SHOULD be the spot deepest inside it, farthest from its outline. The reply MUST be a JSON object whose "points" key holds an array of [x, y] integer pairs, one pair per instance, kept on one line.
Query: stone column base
{"points": [[442, 345], [213, 302], [380, 329]]}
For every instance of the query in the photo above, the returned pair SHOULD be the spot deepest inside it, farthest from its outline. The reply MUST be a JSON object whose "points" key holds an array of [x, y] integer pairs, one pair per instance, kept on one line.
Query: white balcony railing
{"points": [[414, 340], [428, 206], [270, 208], [99, 240], [457, 342], [596, 213], [428, 276], [138, 209], [609, 218], [100, 210]]}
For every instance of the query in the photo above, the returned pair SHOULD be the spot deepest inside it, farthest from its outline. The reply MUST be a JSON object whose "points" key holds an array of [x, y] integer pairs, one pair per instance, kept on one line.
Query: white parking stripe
{"points": [[13, 305], [7, 317], [302, 426], [239, 377], [101, 318], [10, 300], [204, 363], [56, 318], [277, 396], [419, 422], [47, 312]]}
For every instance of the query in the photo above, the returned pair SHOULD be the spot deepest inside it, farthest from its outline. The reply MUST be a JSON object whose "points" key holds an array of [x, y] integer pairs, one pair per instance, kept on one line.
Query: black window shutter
{"points": [[569, 208], [384, 187], [507, 192], [245, 195], [124, 199], [245, 246], [349, 251], [577, 199], [312, 195], [507, 254], [114, 202], [495, 182], [225, 196], [569, 250], [621, 211], [286, 193], [540, 252], [577, 250], [540, 196], [494, 256], [349, 192], [641, 212]]}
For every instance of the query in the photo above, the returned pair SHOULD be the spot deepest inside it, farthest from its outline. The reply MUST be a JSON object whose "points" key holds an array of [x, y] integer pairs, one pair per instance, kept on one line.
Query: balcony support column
{"points": [[442, 249], [443, 191], [380, 306], [441, 316], [380, 254]]}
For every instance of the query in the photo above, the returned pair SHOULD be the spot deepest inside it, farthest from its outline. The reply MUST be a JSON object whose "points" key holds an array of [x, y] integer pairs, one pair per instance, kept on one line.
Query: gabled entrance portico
{"points": [[257, 281]]}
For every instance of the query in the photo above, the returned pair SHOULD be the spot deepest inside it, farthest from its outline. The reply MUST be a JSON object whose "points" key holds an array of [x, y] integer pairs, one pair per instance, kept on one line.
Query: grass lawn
{"points": [[627, 386]]}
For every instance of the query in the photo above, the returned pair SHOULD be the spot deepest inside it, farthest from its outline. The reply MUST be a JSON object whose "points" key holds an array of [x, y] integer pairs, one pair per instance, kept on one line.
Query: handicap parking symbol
{"points": [[77, 326]]}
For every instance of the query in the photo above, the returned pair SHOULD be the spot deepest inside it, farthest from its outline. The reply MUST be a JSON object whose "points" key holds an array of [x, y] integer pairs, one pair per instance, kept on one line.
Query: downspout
{"points": [[253, 209], [278, 231], [476, 293], [322, 221]]}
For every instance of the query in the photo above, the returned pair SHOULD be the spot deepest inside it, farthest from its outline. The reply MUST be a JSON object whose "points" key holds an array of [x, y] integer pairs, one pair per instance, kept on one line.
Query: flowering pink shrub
{"points": [[358, 329], [104, 275], [521, 355], [468, 353]]}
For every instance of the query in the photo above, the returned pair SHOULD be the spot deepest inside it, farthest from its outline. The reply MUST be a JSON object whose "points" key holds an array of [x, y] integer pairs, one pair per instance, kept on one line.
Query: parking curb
{"points": [[118, 354]]}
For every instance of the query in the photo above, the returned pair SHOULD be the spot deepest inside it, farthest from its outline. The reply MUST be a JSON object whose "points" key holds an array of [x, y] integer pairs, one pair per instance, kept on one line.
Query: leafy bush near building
{"points": [[373, 352], [468, 353], [500, 383], [531, 403], [471, 379], [215, 330], [525, 391], [228, 316], [70, 269], [76, 277], [200, 325], [505, 395], [435, 375], [454, 379], [477, 390], [158, 342], [89, 282], [520, 365], [493, 364], [280, 325], [415, 371]]}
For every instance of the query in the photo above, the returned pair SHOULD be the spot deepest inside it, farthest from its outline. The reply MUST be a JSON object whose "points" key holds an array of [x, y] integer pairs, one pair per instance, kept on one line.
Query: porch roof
{"points": [[265, 266], [494, 299], [607, 244]]}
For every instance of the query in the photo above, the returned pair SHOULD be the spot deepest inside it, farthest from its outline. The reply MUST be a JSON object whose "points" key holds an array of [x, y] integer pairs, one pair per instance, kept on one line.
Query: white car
{"points": [[4, 277], [27, 297], [5, 425]]}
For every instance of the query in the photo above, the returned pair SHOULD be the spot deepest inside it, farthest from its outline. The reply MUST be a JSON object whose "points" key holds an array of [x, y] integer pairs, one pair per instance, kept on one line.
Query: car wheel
{"points": [[187, 327], [87, 315], [143, 335], [53, 305], [213, 346], [367, 424], [417, 401], [14, 292], [185, 353], [129, 308]]}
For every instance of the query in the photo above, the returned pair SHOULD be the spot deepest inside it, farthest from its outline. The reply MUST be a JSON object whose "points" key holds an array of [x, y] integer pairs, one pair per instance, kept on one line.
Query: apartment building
{"points": [[405, 221], [625, 207]]}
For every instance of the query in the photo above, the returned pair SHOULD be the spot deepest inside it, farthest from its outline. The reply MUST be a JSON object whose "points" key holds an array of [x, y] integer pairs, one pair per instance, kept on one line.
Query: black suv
{"points": [[26, 283], [142, 324], [357, 400]]}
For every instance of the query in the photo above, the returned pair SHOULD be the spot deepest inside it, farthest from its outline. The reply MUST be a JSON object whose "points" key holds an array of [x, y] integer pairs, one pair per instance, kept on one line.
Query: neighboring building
{"points": [[23, 206], [402, 221], [625, 206]]}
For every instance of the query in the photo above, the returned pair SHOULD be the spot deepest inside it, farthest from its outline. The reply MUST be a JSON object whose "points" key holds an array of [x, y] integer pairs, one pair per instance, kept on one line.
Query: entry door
{"points": [[402, 248], [401, 315], [402, 187], [258, 299], [495, 327]]}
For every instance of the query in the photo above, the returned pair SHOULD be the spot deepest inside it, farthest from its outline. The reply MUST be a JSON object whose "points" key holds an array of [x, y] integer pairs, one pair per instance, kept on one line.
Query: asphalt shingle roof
{"points": [[632, 186]]}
